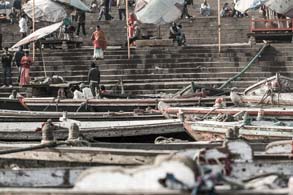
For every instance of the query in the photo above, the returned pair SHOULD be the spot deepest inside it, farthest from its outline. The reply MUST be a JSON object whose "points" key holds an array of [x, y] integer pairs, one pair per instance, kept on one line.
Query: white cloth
{"points": [[78, 95], [17, 96], [98, 53], [23, 25], [87, 93], [203, 6]]}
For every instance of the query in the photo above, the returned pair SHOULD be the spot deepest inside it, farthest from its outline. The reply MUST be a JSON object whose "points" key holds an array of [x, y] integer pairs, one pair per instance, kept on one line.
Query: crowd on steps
{"points": [[74, 25]]}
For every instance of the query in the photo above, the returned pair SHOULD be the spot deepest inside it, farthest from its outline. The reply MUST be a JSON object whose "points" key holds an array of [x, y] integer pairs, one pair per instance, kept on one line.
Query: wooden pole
{"points": [[219, 25], [34, 28], [127, 27]]}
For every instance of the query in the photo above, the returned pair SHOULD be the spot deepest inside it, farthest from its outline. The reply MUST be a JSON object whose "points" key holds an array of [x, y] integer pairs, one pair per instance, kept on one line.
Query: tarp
{"points": [[158, 11], [284, 7], [38, 34], [45, 10], [76, 4]]}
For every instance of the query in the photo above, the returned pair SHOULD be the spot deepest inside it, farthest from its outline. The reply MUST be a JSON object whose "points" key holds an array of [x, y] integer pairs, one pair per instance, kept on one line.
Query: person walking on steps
{"points": [[94, 78]]}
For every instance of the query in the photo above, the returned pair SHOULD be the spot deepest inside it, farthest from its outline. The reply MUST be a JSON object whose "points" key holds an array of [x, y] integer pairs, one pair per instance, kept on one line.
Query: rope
{"points": [[40, 146], [53, 101]]}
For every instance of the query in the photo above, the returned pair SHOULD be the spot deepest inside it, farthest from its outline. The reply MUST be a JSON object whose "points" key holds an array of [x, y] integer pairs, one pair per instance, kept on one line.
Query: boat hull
{"points": [[201, 131]]}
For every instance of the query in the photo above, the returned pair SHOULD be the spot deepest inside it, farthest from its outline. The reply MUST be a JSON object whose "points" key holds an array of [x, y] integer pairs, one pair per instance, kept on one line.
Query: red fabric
{"points": [[24, 76], [26, 62], [99, 40]]}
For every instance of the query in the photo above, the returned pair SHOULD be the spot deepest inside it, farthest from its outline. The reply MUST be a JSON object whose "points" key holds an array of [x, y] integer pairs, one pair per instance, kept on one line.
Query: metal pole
{"points": [[219, 25], [34, 27], [127, 27]]}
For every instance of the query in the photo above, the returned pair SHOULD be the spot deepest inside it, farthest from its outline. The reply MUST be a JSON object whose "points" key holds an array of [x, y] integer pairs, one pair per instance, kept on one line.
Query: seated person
{"points": [[136, 34], [77, 94], [177, 34], [173, 31], [181, 40], [86, 91], [205, 8], [14, 95], [226, 11], [103, 90]]}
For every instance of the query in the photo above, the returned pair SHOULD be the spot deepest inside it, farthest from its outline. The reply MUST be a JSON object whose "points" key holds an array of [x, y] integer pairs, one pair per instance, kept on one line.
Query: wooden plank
{"points": [[91, 129]]}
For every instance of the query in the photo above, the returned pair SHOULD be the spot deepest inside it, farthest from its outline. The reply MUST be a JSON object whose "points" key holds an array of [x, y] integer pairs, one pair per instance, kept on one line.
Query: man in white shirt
{"points": [[87, 93], [23, 28], [205, 8]]}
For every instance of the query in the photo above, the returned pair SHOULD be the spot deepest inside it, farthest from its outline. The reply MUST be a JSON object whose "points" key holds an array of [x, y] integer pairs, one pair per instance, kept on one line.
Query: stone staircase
{"points": [[166, 70], [154, 70]]}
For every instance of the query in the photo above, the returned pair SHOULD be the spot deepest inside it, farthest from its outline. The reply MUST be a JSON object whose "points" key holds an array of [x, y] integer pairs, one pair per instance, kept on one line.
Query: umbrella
{"points": [[45, 10], [76, 4], [279, 6], [38, 34], [158, 11]]}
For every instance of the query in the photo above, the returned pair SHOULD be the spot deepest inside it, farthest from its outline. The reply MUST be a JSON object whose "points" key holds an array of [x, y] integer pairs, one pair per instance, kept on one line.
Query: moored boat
{"points": [[92, 129], [257, 130], [276, 90], [96, 105]]}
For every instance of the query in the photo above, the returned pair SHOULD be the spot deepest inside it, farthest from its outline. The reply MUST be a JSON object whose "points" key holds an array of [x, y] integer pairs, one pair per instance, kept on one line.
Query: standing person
{"points": [[94, 78], [26, 62], [121, 9], [81, 22], [15, 11], [99, 42], [0, 41], [17, 59], [205, 8], [185, 10], [6, 64], [23, 28]]}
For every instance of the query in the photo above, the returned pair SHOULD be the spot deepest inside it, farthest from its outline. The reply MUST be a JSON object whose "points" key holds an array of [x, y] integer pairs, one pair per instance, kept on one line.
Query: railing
{"points": [[257, 25]]}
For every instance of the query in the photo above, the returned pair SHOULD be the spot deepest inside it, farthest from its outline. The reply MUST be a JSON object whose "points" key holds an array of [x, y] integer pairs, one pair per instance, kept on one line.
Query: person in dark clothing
{"points": [[173, 31], [104, 10], [16, 10], [17, 59], [94, 78], [185, 9], [81, 22], [0, 41], [6, 64]]}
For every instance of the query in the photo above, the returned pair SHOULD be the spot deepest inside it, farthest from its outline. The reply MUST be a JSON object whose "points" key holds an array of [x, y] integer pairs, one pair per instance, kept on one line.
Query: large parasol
{"points": [[45, 10], [158, 11], [77, 4], [284, 7], [38, 34]]}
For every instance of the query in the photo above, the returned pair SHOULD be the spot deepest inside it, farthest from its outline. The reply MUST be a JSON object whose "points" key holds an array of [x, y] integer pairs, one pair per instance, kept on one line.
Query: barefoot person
{"points": [[99, 42], [26, 62]]}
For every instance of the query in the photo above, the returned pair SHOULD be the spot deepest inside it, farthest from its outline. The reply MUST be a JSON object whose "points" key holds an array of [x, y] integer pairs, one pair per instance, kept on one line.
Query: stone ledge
{"points": [[154, 42]]}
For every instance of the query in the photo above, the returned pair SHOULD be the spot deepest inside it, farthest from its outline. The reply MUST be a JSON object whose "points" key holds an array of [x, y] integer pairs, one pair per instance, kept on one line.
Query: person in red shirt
{"points": [[26, 62], [99, 42]]}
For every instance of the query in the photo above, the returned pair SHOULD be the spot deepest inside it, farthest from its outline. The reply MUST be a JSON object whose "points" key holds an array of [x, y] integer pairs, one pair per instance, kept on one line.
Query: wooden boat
{"points": [[277, 112], [61, 156], [92, 129], [75, 156], [96, 105], [213, 130], [39, 116], [276, 90]]}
